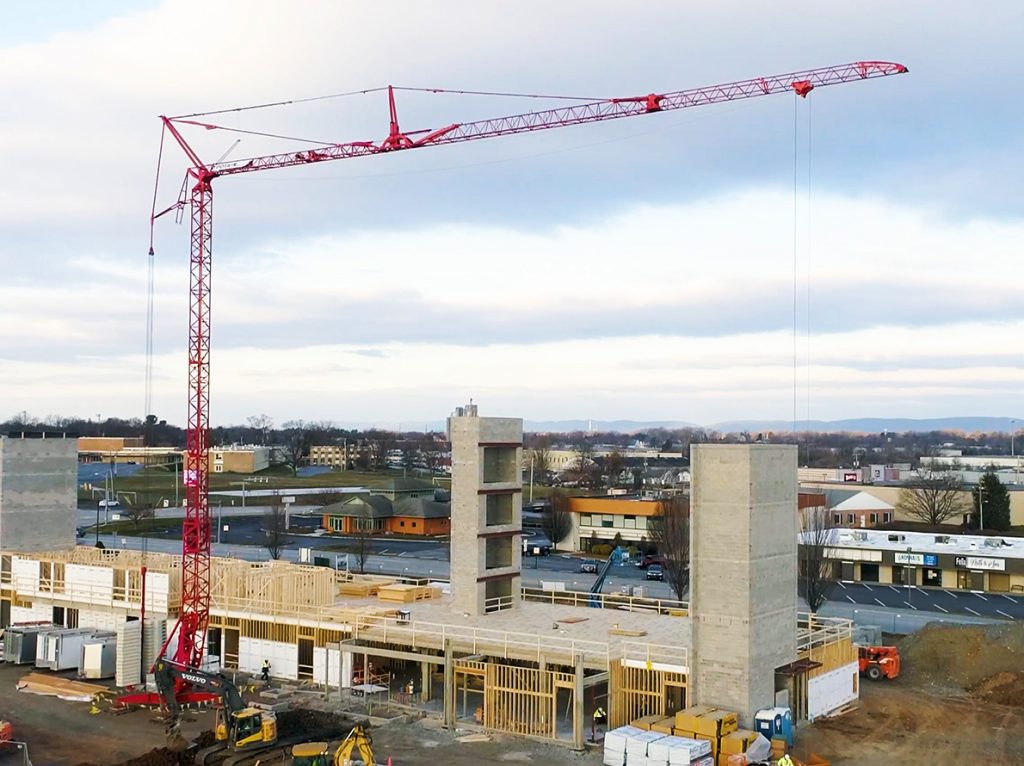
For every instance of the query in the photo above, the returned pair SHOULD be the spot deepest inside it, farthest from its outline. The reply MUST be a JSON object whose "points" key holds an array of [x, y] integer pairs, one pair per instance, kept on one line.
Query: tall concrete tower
{"points": [[743, 579], [487, 510], [38, 492]]}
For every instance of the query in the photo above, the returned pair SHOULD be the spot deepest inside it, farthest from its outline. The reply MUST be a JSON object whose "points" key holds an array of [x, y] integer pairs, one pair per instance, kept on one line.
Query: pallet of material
{"points": [[363, 588], [63, 688], [406, 594]]}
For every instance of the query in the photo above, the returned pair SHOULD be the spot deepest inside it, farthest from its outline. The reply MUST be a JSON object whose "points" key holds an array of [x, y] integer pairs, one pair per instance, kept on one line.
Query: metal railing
{"points": [[650, 654], [89, 594], [813, 631], [607, 601]]}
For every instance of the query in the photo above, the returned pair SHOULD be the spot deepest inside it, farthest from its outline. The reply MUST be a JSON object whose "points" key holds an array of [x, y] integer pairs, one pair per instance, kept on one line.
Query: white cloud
{"points": [[640, 270]]}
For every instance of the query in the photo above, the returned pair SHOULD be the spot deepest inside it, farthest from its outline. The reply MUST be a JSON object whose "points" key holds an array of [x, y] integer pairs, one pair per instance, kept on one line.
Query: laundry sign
{"points": [[977, 562], [916, 559]]}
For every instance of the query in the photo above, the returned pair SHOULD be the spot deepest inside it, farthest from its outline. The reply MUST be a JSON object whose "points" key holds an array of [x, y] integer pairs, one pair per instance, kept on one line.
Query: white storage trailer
{"points": [[20, 643], [99, 657], [62, 649]]}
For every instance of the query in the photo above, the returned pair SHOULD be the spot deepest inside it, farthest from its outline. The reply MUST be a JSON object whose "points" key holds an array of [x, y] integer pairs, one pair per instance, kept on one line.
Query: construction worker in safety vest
{"points": [[785, 761], [600, 717], [265, 671]]}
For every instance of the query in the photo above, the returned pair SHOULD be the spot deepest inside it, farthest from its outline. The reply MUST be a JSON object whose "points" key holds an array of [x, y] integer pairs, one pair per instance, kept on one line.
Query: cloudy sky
{"points": [[638, 269]]}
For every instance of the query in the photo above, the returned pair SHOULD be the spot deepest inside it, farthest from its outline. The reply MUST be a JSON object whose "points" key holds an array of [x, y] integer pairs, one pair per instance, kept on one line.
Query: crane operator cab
{"points": [[251, 727]]}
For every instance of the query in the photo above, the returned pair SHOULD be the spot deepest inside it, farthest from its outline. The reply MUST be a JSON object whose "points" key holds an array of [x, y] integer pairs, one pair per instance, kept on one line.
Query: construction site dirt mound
{"points": [[312, 724], [1002, 689], [983, 660]]}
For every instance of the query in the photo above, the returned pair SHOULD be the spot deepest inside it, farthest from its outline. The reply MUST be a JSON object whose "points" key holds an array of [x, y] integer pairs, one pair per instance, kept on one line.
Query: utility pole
{"points": [[531, 477], [981, 506]]}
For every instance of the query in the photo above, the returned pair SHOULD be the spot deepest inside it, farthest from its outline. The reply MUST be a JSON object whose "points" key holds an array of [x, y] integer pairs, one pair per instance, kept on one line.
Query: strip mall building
{"points": [[963, 562]]}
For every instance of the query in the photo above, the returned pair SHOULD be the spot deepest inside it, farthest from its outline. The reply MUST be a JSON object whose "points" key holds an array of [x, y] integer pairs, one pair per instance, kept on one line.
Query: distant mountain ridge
{"points": [[966, 424], [855, 425]]}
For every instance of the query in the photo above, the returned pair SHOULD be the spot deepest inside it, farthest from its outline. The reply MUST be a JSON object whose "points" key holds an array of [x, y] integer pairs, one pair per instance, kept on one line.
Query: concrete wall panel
{"points": [[38, 493]]}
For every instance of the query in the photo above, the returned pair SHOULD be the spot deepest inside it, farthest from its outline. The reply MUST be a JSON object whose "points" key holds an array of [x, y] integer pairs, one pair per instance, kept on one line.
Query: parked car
{"points": [[655, 572], [588, 567], [646, 561], [109, 504], [537, 546]]}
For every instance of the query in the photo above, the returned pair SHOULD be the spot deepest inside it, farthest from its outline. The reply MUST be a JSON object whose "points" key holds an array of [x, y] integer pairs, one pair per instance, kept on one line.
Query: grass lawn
{"points": [[144, 527], [150, 487]]}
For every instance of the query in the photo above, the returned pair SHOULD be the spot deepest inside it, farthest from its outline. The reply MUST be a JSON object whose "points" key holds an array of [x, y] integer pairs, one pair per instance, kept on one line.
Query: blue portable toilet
{"points": [[775, 723]]}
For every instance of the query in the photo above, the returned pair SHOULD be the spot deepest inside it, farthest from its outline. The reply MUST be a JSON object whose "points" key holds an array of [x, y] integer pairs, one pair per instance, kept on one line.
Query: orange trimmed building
{"points": [[379, 515], [597, 520]]}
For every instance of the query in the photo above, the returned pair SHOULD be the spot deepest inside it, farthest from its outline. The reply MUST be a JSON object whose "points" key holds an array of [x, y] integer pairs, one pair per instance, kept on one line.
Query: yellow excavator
{"points": [[319, 753], [241, 732]]}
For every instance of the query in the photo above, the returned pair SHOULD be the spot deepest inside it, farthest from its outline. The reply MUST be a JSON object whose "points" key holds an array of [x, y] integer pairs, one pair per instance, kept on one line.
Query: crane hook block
{"points": [[802, 88]]}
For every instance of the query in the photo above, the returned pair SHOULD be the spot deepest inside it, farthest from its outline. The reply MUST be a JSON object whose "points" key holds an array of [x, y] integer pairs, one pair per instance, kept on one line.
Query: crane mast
{"points": [[196, 529]]}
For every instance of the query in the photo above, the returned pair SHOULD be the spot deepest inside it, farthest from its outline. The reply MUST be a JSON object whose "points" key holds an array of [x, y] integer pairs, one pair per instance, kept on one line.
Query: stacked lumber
{"points": [[406, 594], [63, 688], [362, 588]]}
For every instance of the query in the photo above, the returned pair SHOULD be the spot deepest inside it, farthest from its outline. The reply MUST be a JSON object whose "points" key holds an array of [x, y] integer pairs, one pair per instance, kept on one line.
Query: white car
{"points": [[109, 504]]}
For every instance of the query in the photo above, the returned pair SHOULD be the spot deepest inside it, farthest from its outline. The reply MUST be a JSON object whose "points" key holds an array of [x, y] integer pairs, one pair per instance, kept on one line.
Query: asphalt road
{"points": [[410, 558], [1002, 606]]}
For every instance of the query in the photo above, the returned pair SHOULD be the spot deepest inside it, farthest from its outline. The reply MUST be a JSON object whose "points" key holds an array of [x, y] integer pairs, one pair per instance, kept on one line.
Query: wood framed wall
{"points": [[522, 700], [634, 692]]}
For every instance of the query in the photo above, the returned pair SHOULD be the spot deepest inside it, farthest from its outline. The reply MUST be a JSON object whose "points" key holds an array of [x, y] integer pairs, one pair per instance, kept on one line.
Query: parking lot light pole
{"points": [[1013, 452]]}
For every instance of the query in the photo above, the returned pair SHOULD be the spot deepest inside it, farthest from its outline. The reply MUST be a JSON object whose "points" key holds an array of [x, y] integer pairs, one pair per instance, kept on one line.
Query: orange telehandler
{"points": [[878, 662]]}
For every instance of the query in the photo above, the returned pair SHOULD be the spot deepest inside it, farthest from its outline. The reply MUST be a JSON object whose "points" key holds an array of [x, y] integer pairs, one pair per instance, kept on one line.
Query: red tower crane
{"points": [[195, 592]]}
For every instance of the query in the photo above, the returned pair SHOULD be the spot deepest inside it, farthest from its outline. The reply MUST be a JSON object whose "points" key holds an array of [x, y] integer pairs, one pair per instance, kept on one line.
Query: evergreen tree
{"points": [[991, 502]]}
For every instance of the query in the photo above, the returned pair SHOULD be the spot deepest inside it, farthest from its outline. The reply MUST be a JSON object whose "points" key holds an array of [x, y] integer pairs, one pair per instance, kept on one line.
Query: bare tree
{"points": [[410, 453], [382, 443], [261, 425], [540, 458], [816, 568], [136, 514], [275, 526], [933, 498], [431, 454], [361, 545], [614, 463], [296, 444], [557, 520], [670, 531]]}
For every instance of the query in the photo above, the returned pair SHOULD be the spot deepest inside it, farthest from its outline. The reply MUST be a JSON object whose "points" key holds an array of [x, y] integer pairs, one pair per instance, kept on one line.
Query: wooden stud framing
{"points": [[636, 692]]}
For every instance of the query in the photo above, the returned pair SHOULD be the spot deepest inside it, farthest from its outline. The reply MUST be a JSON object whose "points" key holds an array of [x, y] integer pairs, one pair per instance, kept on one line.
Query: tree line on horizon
{"points": [[817, 450]]}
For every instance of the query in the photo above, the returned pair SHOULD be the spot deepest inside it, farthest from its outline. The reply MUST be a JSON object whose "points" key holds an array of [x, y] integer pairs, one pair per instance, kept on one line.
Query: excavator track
{"points": [[220, 755]]}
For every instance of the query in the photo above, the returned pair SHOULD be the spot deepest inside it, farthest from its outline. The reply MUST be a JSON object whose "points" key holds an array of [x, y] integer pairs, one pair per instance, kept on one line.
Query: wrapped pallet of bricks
{"points": [[636, 747], [615, 744], [676, 751]]}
